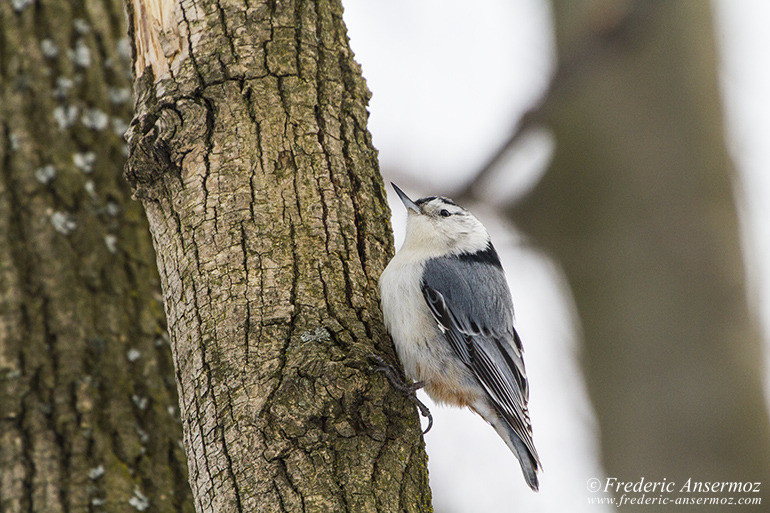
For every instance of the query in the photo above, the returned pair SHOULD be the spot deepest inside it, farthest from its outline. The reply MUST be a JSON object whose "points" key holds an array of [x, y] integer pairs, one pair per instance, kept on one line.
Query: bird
{"points": [[447, 306]]}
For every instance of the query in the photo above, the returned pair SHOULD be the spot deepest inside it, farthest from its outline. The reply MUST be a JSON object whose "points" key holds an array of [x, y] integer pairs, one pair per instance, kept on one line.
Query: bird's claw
{"points": [[410, 389], [424, 411]]}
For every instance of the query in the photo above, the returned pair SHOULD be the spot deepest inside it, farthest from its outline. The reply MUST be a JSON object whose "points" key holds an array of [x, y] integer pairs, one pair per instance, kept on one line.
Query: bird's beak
{"points": [[409, 204]]}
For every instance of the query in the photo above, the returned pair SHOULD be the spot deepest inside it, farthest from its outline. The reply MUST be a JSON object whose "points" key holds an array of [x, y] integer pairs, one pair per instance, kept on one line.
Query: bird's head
{"points": [[437, 226]]}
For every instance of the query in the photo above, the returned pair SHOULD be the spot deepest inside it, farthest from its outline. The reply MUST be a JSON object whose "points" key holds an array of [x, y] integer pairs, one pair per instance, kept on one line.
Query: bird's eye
{"points": [[444, 213]]}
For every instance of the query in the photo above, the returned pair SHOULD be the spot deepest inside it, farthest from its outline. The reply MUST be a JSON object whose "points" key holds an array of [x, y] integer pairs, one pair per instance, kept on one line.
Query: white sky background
{"points": [[744, 43], [448, 82]]}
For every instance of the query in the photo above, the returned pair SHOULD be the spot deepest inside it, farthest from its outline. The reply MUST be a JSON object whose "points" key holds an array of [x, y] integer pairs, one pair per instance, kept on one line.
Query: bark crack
{"points": [[208, 138], [287, 478], [226, 32], [191, 53], [245, 263], [23, 266], [246, 92], [53, 414]]}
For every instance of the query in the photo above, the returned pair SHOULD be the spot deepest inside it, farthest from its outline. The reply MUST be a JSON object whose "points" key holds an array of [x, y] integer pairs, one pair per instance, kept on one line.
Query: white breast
{"points": [[407, 317]]}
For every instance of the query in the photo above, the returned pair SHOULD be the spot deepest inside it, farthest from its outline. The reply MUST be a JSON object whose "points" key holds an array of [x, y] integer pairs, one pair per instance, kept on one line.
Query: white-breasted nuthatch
{"points": [[448, 308]]}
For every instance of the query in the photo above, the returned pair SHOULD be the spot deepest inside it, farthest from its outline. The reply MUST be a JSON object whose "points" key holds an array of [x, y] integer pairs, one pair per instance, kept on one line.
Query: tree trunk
{"points": [[88, 418], [639, 209], [250, 153]]}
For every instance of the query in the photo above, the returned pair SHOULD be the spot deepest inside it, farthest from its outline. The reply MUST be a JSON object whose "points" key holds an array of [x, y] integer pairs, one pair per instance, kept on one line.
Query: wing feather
{"points": [[479, 329]]}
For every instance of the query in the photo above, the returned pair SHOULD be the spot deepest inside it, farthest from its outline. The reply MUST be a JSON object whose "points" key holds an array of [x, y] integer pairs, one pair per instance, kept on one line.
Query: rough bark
{"points": [[250, 153], [88, 417], [638, 207]]}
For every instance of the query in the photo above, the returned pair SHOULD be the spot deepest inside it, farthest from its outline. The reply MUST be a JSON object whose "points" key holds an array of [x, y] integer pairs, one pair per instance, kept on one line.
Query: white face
{"points": [[441, 227]]}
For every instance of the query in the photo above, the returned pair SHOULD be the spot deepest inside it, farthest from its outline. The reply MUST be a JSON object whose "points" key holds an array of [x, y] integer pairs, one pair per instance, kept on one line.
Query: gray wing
{"points": [[472, 305]]}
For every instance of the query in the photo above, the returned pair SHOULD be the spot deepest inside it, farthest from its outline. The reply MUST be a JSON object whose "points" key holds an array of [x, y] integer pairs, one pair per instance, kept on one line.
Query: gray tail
{"points": [[527, 460], [525, 453]]}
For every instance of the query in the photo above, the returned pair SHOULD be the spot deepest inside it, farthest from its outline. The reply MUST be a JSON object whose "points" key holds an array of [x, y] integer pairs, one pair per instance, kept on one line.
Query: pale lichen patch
{"points": [[111, 242], [112, 208], [317, 335], [84, 161], [20, 5], [45, 174], [95, 119], [81, 26], [96, 472], [139, 401], [65, 116], [81, 55], [139, 500], [133, 354], [63, 87], [119, 95], [90, 188], [124, 48], [12, 374], [119, 127], [63, 222], [49, 48], [143, 436], [14, 139]]}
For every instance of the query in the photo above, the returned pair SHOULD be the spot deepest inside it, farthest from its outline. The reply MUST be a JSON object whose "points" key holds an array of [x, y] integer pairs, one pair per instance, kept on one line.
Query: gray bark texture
{"points": [[250, 153], [638, 206], [88, 415]]}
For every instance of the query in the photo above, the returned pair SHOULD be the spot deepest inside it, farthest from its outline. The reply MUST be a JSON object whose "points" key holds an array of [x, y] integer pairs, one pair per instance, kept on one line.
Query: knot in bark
{"points": [[150, 155]]}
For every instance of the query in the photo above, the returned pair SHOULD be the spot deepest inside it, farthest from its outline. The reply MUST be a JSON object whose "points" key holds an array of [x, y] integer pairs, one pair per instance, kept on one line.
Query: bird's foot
{"points": [[392, 374], [409, 389]]}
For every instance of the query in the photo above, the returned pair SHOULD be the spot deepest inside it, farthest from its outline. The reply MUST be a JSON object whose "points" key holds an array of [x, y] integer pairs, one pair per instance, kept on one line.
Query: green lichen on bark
{"points": [[87, 398], [271, 225]]}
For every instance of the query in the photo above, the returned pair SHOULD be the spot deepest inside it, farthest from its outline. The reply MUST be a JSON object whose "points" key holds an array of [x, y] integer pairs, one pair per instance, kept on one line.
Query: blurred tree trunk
{"points": [[88, 418], [639, 208], [250, 153]]}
